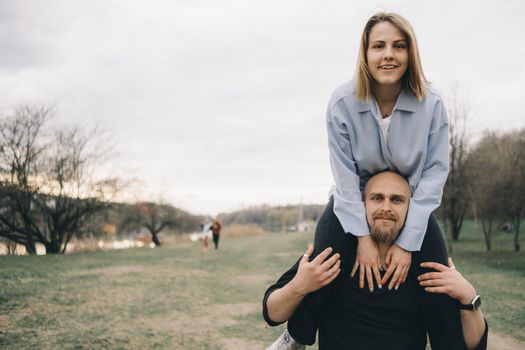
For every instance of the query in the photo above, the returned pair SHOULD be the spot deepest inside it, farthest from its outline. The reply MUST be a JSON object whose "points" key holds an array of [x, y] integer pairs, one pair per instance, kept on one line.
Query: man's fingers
{"points": [[354, 269], [434, 265], [429, 276], [322, 256], [308, 253], [441, 290], [432, 283], [330, 262], [333, 269], [387, 275], [331, 278], [451, 263]]}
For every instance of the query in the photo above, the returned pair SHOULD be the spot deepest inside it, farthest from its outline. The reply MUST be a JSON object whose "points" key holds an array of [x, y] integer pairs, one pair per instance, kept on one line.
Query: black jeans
{"points": [[216, 241], [303, 325]]}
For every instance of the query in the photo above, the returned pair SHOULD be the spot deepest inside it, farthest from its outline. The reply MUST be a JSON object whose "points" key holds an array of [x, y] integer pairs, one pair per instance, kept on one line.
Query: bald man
{"points": [[435, 300]]}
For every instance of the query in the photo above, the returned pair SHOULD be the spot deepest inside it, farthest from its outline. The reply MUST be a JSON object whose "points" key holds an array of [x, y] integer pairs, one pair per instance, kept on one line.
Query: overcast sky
{"points": [[218, 105]]}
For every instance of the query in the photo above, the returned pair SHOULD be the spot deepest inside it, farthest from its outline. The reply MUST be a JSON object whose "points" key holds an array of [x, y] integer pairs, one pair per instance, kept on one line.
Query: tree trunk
{"points": [[53, 247], [30, 247], [155, 239], [517, 237]]}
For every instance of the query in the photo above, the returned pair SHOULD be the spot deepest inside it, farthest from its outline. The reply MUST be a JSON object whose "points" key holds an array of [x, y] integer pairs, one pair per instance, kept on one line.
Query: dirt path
{"points": [[499, 341]]}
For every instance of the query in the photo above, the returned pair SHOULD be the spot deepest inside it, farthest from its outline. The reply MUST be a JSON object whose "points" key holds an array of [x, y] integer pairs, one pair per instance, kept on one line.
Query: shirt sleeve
{"points": [[283, 280], [443, 324], [427, 195], [348, 202]]}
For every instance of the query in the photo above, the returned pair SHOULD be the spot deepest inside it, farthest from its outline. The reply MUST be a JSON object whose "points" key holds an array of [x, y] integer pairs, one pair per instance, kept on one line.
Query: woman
{"points": [[387, 118]]}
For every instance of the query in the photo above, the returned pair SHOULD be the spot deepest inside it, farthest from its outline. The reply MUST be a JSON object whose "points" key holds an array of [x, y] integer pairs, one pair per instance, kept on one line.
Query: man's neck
{"points": [[383, 249]]}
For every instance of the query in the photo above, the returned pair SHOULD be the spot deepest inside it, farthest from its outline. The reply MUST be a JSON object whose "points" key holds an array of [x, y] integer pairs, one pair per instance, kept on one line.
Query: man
{"points": [[216, 231], [433, 302]]}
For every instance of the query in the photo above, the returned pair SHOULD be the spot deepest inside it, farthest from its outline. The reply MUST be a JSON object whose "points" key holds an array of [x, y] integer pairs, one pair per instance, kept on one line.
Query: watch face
{"points": [[476, 302]]}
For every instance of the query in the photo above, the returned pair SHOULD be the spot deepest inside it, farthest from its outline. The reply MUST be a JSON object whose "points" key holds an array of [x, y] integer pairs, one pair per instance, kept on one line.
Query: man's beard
{"points": [[382, 233]]}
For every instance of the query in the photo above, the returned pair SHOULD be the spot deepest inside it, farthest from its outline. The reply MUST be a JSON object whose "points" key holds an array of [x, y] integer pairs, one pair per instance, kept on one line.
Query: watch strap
{"points": [[474, 304]]}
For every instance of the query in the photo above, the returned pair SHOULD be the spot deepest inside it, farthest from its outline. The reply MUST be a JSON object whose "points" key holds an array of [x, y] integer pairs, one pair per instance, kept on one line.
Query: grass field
{"points": [[178, 297]]}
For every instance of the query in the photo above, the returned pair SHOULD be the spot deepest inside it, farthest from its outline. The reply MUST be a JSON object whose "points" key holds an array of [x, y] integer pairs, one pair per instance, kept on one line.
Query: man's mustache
{"points": [[385, 216]]}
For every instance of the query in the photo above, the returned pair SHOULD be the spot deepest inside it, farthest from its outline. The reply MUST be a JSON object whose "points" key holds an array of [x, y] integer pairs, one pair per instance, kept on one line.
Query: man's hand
{"points": [[368, 261], [315, 274], [398, 261], [447, 280]]}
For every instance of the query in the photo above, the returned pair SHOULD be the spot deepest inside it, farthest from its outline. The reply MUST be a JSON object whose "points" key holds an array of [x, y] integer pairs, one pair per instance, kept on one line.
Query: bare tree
{"points": [[456, 194], [21, 149], [156, 217], [511, 152], [48, 181], [484, 167]]}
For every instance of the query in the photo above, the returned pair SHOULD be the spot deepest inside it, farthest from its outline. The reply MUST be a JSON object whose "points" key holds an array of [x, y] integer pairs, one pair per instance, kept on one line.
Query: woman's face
{"points": [[387, 54]]}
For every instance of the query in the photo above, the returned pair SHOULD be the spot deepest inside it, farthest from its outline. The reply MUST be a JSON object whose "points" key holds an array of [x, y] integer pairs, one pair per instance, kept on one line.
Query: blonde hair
{"points": [[413, 80]]}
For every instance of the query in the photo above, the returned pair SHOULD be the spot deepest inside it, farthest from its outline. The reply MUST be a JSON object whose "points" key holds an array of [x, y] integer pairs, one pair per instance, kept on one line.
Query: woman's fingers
{"points": [[394, 283], [388, 273], [377, 276], [354, 269], [361, 276]]}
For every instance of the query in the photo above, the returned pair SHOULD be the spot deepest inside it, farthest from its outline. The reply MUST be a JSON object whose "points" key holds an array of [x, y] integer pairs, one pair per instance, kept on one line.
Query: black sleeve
{"points": [[281, 282], [443, 322]]}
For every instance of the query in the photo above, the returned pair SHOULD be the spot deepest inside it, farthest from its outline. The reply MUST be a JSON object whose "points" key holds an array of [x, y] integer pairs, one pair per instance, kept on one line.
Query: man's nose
{"points": [[386, 205]]}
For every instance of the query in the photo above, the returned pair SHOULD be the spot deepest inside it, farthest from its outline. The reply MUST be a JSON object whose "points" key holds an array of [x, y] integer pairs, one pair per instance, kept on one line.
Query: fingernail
{"points": [[397, 287], [389, 288], [371, 290], [380, 286]]}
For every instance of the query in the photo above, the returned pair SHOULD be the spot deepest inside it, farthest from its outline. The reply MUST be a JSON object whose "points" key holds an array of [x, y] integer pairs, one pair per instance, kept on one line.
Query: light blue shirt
{"points": [[417, 148]]}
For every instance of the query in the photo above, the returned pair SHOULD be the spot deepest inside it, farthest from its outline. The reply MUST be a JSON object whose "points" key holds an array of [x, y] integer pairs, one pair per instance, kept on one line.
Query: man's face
{"points": [[387, 196]]}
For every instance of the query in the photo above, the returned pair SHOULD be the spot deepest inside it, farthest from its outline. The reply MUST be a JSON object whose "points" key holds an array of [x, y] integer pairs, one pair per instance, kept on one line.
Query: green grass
{"points": [[178, 297]]}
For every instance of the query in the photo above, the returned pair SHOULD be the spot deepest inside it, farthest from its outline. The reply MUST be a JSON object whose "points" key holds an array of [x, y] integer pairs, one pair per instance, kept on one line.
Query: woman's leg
{"points": [[303, 325], [433, 248]]}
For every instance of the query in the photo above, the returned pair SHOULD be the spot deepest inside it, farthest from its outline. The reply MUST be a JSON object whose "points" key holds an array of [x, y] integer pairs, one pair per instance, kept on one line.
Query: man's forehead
{"points": [[388, 184]]}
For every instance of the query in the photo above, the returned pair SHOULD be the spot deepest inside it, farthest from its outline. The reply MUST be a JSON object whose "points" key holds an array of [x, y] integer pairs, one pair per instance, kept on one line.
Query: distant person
{"points": [[435, 300], [387, 118], [216, 232], [205, 232]]}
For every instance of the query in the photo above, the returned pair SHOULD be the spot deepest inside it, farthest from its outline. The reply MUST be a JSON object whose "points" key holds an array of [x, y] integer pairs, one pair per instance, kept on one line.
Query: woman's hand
{"points": [[398, 261], [368, 261], [447, 280], [315, 274]]}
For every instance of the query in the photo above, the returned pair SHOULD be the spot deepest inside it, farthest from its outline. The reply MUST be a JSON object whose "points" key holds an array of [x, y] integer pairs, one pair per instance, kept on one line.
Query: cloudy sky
{"points": [[218, 105]]}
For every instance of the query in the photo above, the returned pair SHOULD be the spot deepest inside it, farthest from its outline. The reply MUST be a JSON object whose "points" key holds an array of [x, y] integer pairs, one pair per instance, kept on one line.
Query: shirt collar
{"points": [[405, 102]]}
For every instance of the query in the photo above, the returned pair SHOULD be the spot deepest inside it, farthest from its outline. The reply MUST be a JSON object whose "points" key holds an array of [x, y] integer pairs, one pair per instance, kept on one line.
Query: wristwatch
{"points": [[474, 304]]}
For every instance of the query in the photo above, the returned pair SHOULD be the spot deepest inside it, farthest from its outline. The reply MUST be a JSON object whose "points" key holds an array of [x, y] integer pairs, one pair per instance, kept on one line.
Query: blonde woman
{"points": [[387, 118]]}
